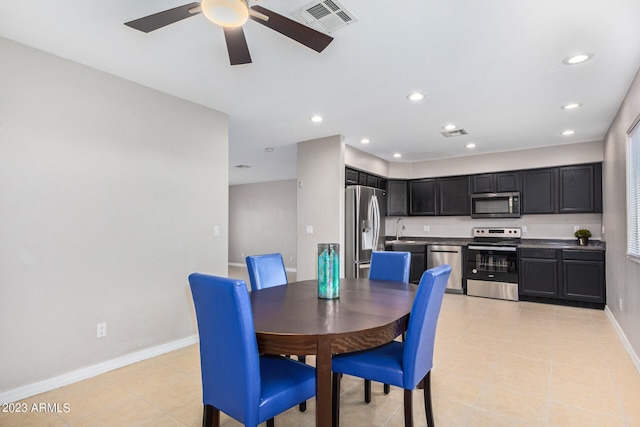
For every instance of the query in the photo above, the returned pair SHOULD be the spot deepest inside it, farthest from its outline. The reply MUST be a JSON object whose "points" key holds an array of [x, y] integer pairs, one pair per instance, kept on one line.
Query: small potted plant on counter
{"points": [[583, 236]]}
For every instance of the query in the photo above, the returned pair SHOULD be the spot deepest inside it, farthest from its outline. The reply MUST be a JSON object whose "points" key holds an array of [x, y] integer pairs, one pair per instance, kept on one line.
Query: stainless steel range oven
{"points": [[492, 263]]}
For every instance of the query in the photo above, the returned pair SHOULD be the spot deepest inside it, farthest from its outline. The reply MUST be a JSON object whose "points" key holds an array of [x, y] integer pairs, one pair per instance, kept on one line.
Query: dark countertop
{"points": [[595, 245]]}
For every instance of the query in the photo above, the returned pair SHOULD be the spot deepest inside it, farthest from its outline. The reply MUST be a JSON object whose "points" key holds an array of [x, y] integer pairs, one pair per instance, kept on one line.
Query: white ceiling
{"points": [[492, 67]]}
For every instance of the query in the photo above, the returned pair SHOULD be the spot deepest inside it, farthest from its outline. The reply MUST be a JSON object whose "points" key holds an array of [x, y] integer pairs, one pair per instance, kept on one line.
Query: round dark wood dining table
{"points": [[291, 319]]}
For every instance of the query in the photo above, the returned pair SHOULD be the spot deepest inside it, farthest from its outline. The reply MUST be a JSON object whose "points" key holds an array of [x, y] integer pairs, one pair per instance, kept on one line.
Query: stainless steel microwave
{"points": [[495, 205]]}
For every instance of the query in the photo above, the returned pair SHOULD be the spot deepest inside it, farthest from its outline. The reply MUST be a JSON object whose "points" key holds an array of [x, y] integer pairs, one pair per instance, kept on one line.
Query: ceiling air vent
{"points": [[326, 15], [457, 132], [242, 166]]}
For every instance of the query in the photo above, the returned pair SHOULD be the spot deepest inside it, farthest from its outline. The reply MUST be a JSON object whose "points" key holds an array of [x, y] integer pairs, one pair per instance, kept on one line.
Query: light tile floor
{"points": [[497, 363]]}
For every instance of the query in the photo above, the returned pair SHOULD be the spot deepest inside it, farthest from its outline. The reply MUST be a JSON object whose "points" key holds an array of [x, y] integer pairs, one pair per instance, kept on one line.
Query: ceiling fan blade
{"points": [[237, 46], [294, 30], [164, 18]]}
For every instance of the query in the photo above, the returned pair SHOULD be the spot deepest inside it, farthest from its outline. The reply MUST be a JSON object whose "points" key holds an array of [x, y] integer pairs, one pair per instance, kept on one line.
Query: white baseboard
{"points": [[625, 342], [91, 371]]}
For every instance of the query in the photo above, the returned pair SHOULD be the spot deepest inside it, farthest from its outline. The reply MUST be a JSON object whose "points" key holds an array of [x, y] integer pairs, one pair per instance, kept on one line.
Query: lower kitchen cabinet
{"points": [[418, 259], [583, 275], [568, 276], [539, 272]]}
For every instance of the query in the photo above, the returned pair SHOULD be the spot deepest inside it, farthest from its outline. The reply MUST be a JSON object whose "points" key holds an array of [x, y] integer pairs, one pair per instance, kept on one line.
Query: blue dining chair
{"points": [[236, 380], [388, 265], [266, 271], [402, 364]]}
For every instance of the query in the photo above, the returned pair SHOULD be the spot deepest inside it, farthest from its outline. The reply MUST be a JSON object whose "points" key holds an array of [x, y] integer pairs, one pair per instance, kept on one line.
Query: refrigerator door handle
{"points": [[376, 222]]}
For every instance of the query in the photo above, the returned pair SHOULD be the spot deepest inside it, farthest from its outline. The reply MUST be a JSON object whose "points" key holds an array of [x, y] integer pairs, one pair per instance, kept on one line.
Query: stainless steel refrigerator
{"points": [[366, 208]]}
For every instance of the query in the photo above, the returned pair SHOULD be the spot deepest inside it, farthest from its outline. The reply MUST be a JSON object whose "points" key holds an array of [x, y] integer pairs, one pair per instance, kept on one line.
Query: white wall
{"points": [[365, 161], [623, 275], [320, 201], [262, 219], [109, 195]]}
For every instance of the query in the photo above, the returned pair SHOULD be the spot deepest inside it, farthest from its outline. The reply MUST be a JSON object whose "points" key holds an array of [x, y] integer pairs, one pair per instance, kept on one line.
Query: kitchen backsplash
{"points": [[558, 226]]}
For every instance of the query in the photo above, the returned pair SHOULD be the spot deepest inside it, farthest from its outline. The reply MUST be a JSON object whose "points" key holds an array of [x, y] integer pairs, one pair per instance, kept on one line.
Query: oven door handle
{"points": [[493, 248]]}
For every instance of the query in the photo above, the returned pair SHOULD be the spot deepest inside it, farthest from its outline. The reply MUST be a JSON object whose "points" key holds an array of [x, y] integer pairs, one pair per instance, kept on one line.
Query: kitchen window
{"points": [[633, 192]]}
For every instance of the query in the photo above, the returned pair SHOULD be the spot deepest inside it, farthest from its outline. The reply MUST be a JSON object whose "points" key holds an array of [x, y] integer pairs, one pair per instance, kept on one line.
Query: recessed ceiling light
{"points": [[365, 141], [577, 59], [316, 118], [571, 106], [415, 96], [268, 149], [450, 126], [568, 132], [470, 145], [397, 155]]}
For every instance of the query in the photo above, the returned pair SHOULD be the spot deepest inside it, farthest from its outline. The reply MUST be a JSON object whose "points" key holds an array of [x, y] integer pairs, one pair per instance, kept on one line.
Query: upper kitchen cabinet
{"points": [[580, 188], [397, 198], [422, 196], [356, 177], [350, 177], [539, 191], [500, 182], [453, 195]]}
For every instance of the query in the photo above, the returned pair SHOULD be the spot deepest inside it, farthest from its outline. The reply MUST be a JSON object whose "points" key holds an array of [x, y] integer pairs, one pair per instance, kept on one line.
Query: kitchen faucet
{"points": [[399, 230]]}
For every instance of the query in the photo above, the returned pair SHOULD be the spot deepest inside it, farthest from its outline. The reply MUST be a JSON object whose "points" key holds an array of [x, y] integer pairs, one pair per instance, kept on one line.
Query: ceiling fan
{"points": [[231, 15]]}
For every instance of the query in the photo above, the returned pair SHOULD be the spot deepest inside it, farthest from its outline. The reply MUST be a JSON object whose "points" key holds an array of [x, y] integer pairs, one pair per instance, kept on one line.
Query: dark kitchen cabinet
{"points": [[539, 191], [372, 181], [539, 272], [580, 188], [397, 198], [350, 176], [567, 276], [422, 196], [356, 177], [499, 182], [418, 259], [453, 195], [583, 275]]}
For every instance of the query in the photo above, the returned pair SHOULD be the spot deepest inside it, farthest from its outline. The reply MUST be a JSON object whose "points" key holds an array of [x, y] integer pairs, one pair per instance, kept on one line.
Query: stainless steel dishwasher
{"points": [[446, 254]]}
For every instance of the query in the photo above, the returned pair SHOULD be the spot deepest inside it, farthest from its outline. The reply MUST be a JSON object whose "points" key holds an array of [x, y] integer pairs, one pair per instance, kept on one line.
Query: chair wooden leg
{"points": [[387, 388], [408, 408], [367, 391], [428, 409], [303, 405], [335, 400], [271, 422], [210, 416]]}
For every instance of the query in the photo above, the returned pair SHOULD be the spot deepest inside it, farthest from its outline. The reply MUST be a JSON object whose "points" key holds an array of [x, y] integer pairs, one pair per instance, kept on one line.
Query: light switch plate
{"points": [[309, 229]]}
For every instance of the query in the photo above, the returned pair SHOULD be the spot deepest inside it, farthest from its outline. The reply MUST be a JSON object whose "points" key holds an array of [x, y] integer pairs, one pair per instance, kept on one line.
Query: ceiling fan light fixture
{"points": [[226, 13]]}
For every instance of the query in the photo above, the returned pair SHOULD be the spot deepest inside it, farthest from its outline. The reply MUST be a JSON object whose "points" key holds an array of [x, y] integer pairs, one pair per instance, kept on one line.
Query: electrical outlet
{"points": [[524, 229], [216, 230], [426, 228], [309, 229], [576, 228], [101, 330]]}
